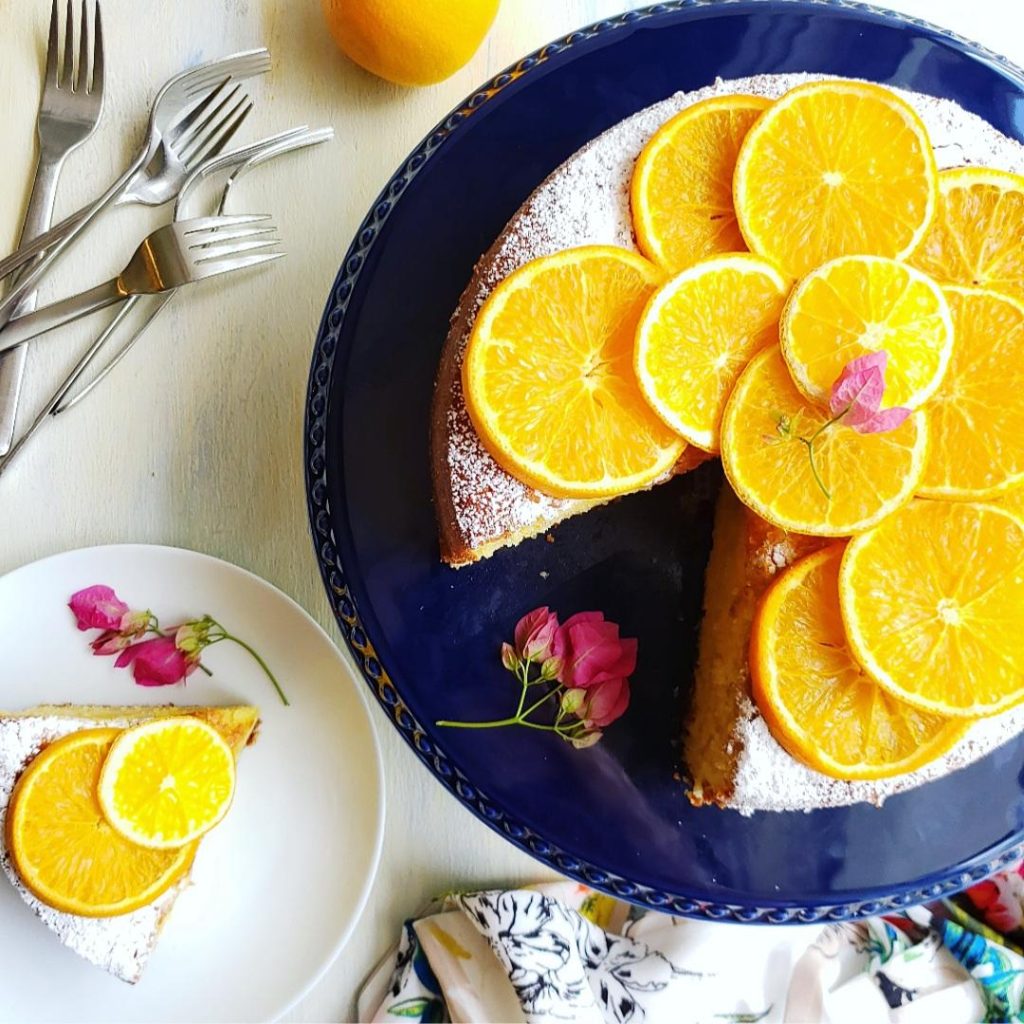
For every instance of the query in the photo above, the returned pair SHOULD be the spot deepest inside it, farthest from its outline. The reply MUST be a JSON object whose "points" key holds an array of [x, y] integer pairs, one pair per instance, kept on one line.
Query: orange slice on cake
{"points": [[977, 236], [933, 601], [977, 415], [548, 376], [55, 826], [816, 699], [854, 305], [698, 333], [834, 168], [681, 191], [853, 481]]}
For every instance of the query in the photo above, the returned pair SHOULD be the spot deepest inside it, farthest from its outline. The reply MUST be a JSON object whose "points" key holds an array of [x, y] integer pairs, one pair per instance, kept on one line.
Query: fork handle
{"points": [[58, 313], [31, 277]]}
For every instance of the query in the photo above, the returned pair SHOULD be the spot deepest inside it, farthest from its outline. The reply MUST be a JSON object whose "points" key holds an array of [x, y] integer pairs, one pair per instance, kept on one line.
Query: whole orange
{"points": [[411, 42]]}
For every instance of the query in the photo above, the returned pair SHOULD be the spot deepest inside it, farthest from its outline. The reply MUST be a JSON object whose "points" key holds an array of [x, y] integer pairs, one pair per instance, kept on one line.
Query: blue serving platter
{"points": [[426, 637]]}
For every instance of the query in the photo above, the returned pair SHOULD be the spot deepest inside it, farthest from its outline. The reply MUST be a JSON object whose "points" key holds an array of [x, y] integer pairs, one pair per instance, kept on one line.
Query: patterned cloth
{"points": [[561, 952]]}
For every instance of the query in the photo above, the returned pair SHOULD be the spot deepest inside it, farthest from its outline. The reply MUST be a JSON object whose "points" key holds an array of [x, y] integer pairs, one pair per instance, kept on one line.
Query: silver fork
{"points": [[175, 102], [241, 161], [177, 254], [69, 110]]}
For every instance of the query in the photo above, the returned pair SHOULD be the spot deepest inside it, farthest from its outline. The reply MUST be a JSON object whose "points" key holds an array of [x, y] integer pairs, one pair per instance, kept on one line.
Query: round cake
{"points": [[480, 508]]}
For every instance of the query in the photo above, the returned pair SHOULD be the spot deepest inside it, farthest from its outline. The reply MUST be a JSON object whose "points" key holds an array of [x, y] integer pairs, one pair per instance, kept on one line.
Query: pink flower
{"points": [[857, 396], [608, 701], [537, 636], [157, 662], [110, 642], [97, 607], [594, 652]]}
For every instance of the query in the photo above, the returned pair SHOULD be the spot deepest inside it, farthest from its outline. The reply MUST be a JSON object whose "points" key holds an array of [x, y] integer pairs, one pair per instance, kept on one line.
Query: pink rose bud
{"points": [[537, 635], [97, 607], [110, 642], [157, 662], [594, 651]]}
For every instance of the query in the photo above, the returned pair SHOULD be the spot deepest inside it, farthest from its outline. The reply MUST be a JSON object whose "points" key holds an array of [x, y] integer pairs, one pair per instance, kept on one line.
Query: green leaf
{"points": [[410, 1007]]}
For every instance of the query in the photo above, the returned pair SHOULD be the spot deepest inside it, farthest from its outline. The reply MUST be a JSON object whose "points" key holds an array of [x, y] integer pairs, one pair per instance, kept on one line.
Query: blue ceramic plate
{"points": [[427, 637]]}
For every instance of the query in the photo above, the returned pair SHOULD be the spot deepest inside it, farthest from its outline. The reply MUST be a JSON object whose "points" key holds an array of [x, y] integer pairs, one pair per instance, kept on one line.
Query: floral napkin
{"points": [[561, 952]]}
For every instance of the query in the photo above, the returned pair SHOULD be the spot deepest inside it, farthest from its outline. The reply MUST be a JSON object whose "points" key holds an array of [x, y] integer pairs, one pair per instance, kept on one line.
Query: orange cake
{"points": [[730, 756], [119, 944]]}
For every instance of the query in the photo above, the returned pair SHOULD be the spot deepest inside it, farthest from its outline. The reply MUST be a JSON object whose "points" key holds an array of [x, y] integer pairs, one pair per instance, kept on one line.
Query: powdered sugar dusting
{"points": [[586, 202], [120, 945], [768, 779]]}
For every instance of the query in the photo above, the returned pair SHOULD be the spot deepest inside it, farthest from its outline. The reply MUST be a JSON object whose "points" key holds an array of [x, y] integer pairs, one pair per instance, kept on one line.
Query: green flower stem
{"points": [[497, 722], [808, 442], [225, 635]]}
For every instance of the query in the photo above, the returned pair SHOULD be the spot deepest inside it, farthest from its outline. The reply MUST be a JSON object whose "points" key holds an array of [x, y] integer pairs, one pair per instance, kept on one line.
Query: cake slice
{"points": [[731, 758], [120, 945]]}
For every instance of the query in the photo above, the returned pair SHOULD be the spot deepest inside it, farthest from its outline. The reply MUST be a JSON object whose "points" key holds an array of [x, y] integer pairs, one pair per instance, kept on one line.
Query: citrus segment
{"points": [[167, 782], [681, 191], [814, 696], [831, 169], [854, 305], [977, 415], [698, 333], [548, 376], [62, 845], [933, 600], [977, 236], [855, 479]]}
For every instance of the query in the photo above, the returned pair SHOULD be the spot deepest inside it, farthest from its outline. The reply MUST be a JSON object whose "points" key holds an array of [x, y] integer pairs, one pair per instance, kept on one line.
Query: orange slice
{"points": [[977, 236], [933, 601], [977, 415], [548, 376], [866, 476], [698, 333], [681, 192], [831, 169], [167, 782], [854, 305], [62, 845], [816, 699]]}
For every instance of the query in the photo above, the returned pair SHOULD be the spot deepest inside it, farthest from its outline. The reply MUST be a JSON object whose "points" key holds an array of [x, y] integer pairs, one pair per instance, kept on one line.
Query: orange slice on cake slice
{"points": [[854, 305], [817, 700], [977, 236], [548, 376], [681, 190], [834, 168], [786, 463], [933, 600], [697, 335]]}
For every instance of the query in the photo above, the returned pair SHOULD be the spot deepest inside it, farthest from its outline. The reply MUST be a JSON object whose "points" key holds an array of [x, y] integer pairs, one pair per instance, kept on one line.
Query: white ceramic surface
{"points": [[279, 885]]}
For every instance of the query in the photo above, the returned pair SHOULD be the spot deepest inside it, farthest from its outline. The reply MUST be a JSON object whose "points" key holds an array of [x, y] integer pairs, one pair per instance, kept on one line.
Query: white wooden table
{"points": [[196, 441]]}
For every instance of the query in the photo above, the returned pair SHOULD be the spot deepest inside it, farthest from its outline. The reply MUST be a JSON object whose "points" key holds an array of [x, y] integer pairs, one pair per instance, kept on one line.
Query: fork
{"points": [[69, 110], [173, 105], [177, 254]]}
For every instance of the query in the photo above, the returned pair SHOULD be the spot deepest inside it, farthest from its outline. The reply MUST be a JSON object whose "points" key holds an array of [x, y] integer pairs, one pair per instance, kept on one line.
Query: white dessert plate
{"points": [[279, 885]]}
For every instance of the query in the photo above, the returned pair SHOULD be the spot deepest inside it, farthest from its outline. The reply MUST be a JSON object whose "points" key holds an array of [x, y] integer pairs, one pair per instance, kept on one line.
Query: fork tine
{"points": [[218, 136], [236, 263], [219, 236], [239, 65], [53, 47], [67, 78], [82, 78], [214, 253], [190, 227], [179, 130], [197, 128], [96, 83]]}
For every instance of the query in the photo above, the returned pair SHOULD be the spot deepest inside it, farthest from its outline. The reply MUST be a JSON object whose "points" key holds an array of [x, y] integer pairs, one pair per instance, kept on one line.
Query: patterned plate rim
{"points": [[343, 604]]}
